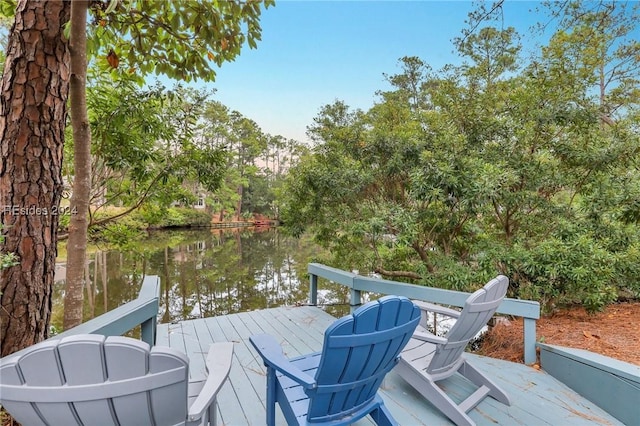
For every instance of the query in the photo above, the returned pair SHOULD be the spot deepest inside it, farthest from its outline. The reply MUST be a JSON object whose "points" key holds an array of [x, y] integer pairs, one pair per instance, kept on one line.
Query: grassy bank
{"points": [[109, 227]]}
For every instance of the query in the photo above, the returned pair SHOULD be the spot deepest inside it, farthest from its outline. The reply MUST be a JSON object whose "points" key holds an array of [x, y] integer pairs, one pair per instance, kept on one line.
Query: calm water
{"points": [[204, 273]]}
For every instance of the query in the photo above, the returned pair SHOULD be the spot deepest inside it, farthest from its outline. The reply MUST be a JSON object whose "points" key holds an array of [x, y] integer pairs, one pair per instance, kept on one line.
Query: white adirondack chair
{"points": [[428, 359], [90, 379]]}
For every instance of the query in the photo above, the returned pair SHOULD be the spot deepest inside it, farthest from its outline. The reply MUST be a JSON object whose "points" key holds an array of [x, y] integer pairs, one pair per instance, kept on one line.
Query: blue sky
{"points": [[314, 52]]}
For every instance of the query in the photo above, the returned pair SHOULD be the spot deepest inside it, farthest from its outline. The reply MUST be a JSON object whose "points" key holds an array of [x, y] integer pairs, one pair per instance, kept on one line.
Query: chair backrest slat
{"points": [[349, 375], [166, 408], [477, 311], [11, 375], [126, 360], [115, 379], [41, 367], [82, 363], [353, 365]]}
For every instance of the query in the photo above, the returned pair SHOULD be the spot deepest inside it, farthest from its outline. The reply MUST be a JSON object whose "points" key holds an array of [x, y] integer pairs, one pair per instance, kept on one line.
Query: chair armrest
{"points": [[271, 352], [218, 365], [430, 307], [425, 336]]}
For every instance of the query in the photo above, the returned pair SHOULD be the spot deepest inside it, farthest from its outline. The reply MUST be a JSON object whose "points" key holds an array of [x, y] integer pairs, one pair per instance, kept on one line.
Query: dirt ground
{"points": [[615, 332]]}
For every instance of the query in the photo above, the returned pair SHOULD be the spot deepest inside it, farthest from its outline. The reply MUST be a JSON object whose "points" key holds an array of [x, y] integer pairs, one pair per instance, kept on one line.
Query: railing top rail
{"points": [[334, 274], [150, 288], [519, 307], [114, 322], [123, 318]]}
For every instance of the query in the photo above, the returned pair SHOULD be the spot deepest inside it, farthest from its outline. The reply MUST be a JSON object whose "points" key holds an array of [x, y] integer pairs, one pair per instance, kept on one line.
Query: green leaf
{"points": [[67, 30], [160, 28], [111, 7], [8, 8]]}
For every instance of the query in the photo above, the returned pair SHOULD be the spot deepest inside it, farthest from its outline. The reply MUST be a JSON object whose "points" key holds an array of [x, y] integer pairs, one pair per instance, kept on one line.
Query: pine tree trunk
{"points": [[77, 243], [239, 203], [33, 95]]}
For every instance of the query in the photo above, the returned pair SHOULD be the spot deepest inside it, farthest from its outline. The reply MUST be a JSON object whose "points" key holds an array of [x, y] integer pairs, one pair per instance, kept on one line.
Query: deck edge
{"points": [[611, 384]]}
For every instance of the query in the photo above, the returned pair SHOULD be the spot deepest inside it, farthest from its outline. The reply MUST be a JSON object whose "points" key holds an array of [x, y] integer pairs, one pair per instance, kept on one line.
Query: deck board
{"points": [[205, 339], [228, 398], [243, 372], [538, 398]]}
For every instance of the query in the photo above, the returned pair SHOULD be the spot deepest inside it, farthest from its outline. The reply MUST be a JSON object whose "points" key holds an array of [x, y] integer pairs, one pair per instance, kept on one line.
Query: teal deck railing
{"points": [[527, 309], [143, 312], [611, 384]]}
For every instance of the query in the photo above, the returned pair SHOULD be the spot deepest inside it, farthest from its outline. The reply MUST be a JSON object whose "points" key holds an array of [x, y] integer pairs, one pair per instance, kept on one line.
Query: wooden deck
{"points": [[539, 399]]}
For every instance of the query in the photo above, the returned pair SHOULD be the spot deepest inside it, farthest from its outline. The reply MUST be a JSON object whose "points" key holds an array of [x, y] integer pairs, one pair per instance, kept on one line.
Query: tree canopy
{"points": [[54, 43], [184, 40], [525, 167]]}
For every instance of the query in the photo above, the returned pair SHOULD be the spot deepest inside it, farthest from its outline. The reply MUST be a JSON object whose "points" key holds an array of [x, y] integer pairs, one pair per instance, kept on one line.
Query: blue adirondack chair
{"points": [[339, 385], [89, 379]]}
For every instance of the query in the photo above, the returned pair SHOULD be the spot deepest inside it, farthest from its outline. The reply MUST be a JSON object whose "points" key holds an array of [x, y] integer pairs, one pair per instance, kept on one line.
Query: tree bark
{"points": [[33, 112], [397, 274], [77, 243], [239, 203]]}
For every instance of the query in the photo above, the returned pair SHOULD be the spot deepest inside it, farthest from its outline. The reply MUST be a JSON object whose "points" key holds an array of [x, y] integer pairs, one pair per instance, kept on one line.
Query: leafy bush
{"points": [[179, 217], [151, 215], [627, 266], [128, 228], [563, 272], [6, 259], [121, 235]]}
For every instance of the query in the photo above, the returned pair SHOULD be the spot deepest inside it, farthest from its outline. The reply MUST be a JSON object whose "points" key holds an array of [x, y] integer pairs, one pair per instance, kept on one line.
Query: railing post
{"points": [[313, 290], [148, 331], [529, 340], [356, 299], [151, 290]]}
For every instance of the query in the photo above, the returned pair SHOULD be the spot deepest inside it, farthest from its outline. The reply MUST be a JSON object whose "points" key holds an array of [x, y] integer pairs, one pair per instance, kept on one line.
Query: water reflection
{"points": [[204, 273]]}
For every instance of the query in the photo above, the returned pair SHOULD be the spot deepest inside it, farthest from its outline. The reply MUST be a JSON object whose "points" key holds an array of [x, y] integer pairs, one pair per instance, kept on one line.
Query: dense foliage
{"points": [[156, 147], [500, 165], [6, 259]]}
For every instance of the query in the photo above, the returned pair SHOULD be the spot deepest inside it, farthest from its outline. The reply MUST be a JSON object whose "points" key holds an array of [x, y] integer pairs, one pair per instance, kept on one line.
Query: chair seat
{"points": [[193, 390], [293, 391], [418, 355], [417, 350]]}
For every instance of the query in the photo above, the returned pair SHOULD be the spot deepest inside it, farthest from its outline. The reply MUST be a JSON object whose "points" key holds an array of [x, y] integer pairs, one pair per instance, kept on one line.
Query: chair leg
{"points": [[271, 396], [382, 416], [213, 413], [479, 379], [449, 407], [436, 396]]}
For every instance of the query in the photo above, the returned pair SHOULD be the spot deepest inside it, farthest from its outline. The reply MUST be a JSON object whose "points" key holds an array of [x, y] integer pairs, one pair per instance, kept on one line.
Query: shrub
{"points": [[563, 272], [121, 235], [6, 259]]}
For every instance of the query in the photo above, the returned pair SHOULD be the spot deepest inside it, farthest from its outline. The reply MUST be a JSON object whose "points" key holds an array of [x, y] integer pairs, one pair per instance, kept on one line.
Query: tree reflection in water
{"points": [[204, 273]]}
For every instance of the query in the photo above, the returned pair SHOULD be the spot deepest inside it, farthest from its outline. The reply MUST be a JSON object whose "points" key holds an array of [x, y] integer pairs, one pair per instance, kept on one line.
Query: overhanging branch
{"points": [[397, 274]]}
